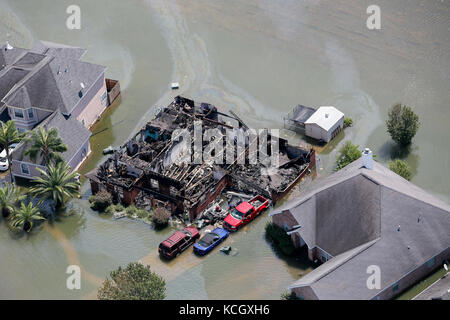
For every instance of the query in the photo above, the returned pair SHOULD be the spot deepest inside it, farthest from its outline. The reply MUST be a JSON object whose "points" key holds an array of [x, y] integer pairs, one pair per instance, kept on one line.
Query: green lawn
{"points": [[422, 285]]}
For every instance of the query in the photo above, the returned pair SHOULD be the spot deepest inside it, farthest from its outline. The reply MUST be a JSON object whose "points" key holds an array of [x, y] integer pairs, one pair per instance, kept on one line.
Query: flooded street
{"points": [[258, 58]]}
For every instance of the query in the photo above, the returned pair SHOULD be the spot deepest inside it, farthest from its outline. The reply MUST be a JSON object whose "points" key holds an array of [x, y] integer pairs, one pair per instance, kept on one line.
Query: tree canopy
{"points": [[402, 124], [347, 154], [47, 144], [134, 282], [401, 168]]}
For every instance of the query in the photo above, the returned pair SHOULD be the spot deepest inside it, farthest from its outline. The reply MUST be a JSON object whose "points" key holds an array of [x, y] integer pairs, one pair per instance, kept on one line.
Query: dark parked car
{"points": [[178, 242]]}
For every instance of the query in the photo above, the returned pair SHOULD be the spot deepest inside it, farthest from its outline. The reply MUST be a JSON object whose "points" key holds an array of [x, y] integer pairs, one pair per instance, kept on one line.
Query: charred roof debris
{"points": [[162, 166]]}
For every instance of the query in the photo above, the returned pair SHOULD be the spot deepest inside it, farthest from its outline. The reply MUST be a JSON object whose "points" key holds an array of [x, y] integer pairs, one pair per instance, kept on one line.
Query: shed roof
{"points": [[325, 117]]}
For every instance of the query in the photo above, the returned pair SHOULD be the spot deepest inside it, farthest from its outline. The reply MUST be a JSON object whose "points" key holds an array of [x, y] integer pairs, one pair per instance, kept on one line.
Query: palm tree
{"points": [[57, 183], [9, 197], [8, 136], [25, 216], [46, 143]]}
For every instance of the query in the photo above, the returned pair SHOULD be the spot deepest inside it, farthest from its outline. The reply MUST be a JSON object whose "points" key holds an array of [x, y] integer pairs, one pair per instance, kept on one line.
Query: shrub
{"points": [[402, 124], [161, 217], [142, 213], [100, 201], [131, 211], [289, 296], [348, 122], [401, 168], [347, 154], [280, 238], [135, 282]]}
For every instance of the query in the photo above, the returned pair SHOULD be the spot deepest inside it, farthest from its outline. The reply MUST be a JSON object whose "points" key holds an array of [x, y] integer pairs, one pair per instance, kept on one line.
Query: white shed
{"points": [[325, 123]]}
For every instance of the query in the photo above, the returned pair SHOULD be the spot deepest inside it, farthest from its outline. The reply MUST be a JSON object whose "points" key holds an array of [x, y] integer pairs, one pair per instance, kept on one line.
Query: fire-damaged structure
{"points": [[161, 167]]}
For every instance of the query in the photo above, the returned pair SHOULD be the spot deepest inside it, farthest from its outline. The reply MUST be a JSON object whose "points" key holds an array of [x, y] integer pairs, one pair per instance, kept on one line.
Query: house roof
{"points": [[52, 75], [354, 215], [325, 117], [71, 131]]}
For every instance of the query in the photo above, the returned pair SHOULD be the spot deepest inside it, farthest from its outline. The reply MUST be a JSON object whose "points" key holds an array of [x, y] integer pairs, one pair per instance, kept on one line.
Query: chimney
{"points": [[367, 158]]}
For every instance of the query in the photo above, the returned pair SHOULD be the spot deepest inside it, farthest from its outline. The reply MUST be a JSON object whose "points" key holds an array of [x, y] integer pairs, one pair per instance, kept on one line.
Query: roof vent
{"points": [[8, 46], [327, 115], [367, 159]]}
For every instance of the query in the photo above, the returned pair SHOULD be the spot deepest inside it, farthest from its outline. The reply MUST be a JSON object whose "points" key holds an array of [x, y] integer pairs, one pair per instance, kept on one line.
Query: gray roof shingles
{"points": [[52, 75]]}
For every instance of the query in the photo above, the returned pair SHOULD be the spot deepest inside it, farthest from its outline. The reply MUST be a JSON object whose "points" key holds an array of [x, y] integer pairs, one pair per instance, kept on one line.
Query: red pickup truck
{"points": [[245, 212], [178, 242]]}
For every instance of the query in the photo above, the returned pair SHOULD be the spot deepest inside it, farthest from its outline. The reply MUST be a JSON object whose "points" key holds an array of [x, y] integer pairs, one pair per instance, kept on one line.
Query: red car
{"points": [[245, 212], [178, 242]]}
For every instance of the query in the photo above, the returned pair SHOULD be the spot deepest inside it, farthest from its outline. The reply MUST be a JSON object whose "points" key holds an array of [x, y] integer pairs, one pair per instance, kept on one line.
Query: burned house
{"points": [[174, 161]]}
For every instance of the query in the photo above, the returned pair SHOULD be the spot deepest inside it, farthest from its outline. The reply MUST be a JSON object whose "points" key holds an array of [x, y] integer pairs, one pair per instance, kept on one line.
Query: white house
{"points": [[325, 123]]}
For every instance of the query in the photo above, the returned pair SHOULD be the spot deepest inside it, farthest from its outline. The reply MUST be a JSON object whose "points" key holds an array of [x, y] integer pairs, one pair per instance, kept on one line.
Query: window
{"points": [[25, 168], [430, 262], [104, 96], [18, 113], [395, 288], [30, 114]]}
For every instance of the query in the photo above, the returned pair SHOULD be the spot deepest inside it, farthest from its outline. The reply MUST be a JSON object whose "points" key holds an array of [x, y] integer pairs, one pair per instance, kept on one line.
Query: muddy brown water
{"points": [[258, 58]]}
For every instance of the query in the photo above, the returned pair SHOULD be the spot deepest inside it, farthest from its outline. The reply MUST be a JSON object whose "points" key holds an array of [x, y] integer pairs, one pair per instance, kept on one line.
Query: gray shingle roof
{"points": [[71, 131], [360, 208], [58, 50], [53, 78]]}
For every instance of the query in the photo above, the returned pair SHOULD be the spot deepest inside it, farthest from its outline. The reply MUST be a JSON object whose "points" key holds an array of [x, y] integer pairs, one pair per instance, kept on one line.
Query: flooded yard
{"points": [[259, 59]]}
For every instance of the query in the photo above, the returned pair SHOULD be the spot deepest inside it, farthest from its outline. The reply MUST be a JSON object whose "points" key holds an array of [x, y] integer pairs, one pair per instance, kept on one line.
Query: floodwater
{"points": [[258, 58]]}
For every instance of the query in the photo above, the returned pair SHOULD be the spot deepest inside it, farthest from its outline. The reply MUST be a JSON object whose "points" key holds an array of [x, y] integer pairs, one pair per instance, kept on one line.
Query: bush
{"points": [[289, 296], [131, 211], [401, 168], [347, 154], [135, 282], [161, 217], [348, 122], [402, 124], [100, 201], [281, 239]]}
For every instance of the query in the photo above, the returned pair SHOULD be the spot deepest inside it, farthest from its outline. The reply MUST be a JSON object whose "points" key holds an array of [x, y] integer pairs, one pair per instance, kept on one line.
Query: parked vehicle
{"points": [[245, 212], [4, 163], [210, 240], [178, 242]]}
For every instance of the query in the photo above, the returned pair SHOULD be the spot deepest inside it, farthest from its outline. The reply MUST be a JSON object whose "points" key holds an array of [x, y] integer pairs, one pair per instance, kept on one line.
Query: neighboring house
{"points": [[74, 135], [47, 80], [363, 216], [321, 124]]}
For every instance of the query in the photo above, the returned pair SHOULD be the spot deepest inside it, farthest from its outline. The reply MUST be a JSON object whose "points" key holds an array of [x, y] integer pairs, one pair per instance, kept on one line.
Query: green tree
{"points": [[135, 282], [347, 154], [280, 238], [25, 216], [348, 122], [401, 168], [9, 197], [402, 124], [58, 183], [46, 143], [8, 136]]}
